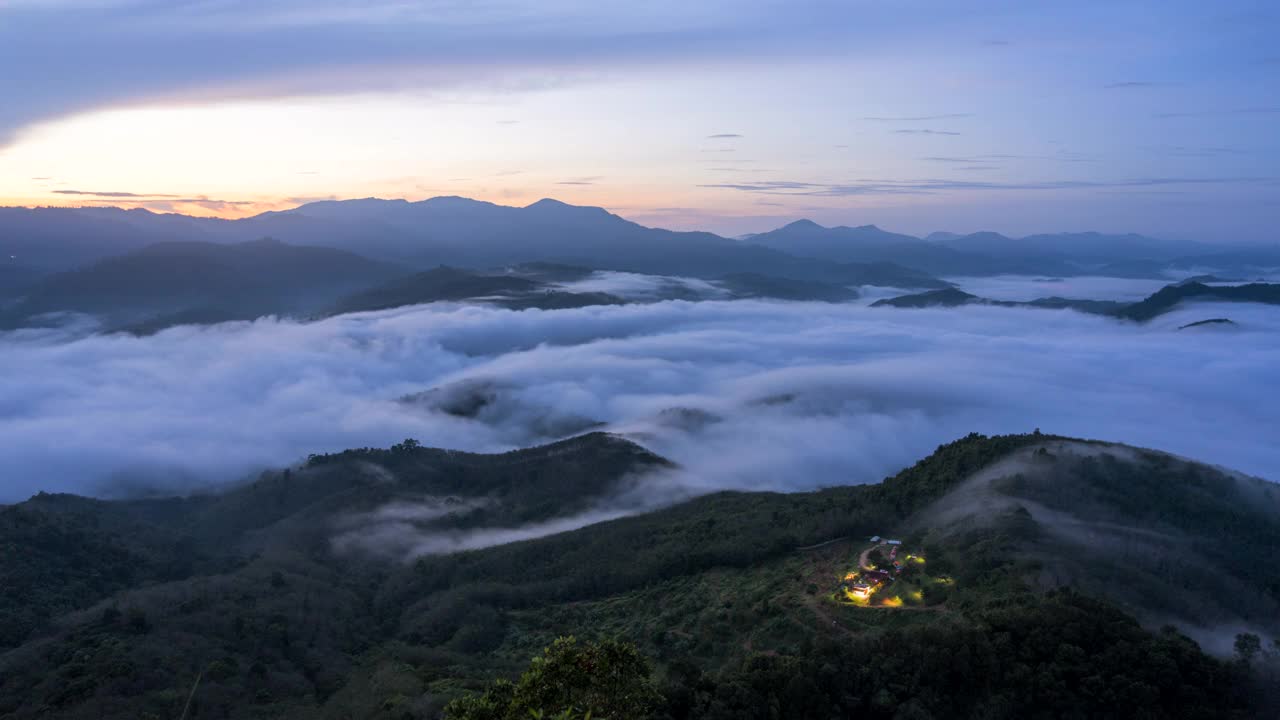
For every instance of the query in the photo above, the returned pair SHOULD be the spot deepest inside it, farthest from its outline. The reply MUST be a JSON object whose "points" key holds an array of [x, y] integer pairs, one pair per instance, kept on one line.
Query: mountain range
{"points": [[440, 231], [468, 233], [141, 272]]}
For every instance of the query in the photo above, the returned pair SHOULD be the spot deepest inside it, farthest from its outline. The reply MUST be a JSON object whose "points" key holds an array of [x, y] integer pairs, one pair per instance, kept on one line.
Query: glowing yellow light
{"points": [[855, 598], [918, 596], [894, 601]]}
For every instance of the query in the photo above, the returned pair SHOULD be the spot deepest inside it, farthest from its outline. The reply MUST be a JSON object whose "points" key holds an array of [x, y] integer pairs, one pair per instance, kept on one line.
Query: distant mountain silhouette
{"points": [[15, 278], [868, 243], [981, 253], [1155, 305], [534, 286], [185, 280], [954, 297], [949, 297], [754, 285], [1085, 247], [1168, 297], [468, 233], [452, 284], [940, 237], [1246, 261], [440, 231]]}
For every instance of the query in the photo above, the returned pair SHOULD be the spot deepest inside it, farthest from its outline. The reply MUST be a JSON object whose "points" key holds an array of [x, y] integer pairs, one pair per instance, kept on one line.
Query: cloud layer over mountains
{"points": [[742, 394]]}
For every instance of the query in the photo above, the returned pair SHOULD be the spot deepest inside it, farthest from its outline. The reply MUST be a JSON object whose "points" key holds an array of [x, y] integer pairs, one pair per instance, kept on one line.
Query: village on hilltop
{"points": [[888, 576]]}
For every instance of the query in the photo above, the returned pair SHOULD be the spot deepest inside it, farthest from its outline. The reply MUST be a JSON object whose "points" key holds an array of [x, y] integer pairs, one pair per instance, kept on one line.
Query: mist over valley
{"points": [[656, 361]]}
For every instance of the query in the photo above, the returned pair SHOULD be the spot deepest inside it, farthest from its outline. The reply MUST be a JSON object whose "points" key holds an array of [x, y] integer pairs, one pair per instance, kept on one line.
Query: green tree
{"points": [[1248, 645], [609, 680]]}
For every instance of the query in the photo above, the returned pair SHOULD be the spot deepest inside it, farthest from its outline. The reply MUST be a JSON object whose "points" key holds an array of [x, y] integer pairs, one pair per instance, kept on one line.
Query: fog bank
{"points": [[744, 394]]}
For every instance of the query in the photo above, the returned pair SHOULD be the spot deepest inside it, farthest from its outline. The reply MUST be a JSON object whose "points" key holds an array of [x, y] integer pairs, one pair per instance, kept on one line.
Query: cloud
{"points": [[1217, 113], [158, 51], [934, 186], [920, 118], [1061, 156], [111, 194], [925, 132], [770, 186], [794, 395], [723, 136], [306, 199], [1135, 85], [1186, 151], [400, 538]]}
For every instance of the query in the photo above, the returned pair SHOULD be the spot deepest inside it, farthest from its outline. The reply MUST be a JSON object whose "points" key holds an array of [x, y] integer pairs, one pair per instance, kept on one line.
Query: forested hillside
{"points": [[731, 600]]}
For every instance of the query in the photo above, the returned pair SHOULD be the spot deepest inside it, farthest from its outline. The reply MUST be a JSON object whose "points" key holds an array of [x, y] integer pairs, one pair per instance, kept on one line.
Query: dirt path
{"points": [[862, 559], [821, 544]]}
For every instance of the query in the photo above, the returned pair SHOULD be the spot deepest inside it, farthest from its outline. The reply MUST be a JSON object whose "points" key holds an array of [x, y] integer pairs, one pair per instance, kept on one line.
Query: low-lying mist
{"points": [[743, 394]]}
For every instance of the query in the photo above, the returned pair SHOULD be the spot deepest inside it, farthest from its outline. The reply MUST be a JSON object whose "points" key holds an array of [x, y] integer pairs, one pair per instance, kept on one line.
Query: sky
{"points": [[1160, 117]]}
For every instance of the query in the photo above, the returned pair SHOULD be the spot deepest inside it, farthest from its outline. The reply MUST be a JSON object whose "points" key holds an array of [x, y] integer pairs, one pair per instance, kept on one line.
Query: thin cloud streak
{"points": [[1136, 85], [161, 52], [932, 186], [921, 118], [1218, 113], [111, 194], [924, 132]]}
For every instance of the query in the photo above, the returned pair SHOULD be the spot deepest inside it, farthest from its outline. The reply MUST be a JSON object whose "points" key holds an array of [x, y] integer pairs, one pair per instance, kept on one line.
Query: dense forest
{"points": [[246, 606], [1062, 655]]}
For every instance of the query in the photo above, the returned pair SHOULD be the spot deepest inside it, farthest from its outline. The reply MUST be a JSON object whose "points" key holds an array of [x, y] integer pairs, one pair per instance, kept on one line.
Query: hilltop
{"points": [[296, 601], [1162, 301]]}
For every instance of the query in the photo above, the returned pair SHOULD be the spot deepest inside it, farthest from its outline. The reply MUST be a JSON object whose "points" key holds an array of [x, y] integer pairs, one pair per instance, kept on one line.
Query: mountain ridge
{"points": [[434, 231], [1158, 303]]}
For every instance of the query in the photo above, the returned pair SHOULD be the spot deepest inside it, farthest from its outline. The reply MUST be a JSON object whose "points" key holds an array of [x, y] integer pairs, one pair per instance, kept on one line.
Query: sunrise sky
{"points": [[1158, 117]]}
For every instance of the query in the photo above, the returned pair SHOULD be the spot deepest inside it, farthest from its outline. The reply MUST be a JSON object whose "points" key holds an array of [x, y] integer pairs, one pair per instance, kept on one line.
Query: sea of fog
{"points": [[743, 394]]}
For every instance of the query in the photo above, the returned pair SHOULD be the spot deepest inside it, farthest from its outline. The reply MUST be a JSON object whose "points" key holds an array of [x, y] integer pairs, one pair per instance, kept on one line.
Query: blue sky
{"points": [[1154, 117]]}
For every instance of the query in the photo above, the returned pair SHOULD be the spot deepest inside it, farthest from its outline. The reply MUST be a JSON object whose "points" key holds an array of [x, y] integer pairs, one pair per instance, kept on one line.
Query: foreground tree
{"points": [[609, 680]]}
